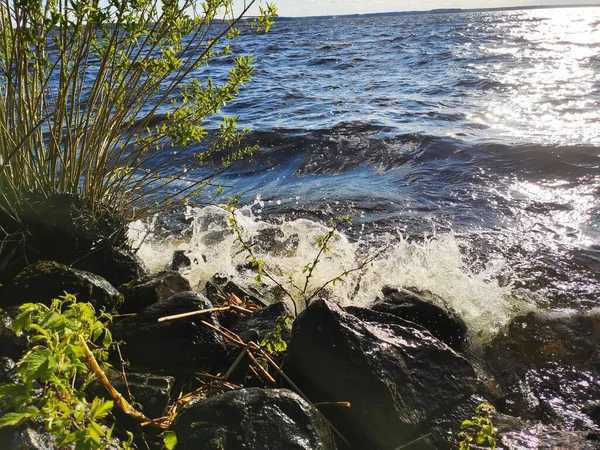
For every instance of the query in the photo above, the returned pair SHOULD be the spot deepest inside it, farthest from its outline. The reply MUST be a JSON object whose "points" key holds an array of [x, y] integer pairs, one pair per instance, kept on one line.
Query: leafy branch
{"points": [[479, 429], [300, 294]]}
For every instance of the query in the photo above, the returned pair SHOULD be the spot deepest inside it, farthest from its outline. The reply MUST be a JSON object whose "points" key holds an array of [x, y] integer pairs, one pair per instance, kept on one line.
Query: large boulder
{"points": [[143, 292], [45, 280], [257, 419], [426, 310], [172, 344], [396, 377], [548, 367]]}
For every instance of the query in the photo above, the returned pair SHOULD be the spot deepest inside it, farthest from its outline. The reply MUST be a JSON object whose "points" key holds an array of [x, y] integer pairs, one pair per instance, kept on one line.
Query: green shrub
{"points": [[53, 375], [81, 86]]}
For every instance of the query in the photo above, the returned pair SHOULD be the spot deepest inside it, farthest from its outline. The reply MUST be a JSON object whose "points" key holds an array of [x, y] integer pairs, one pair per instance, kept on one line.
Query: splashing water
{"points": [[436, 264]]}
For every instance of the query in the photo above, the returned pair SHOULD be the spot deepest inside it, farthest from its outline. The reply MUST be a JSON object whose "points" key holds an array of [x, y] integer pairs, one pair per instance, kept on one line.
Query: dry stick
{"points": [[229, 335], [235, 363], [240, 309], [413, 441], [193, 313], [123, 371], [101, 377], [344, 404], [261, 368]]}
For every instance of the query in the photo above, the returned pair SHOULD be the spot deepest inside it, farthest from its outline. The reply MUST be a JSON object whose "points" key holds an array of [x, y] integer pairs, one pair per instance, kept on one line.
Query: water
{"points": [[466, 146]]}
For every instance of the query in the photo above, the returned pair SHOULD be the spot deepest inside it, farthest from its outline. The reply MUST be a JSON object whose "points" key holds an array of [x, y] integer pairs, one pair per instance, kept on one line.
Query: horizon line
{"points": [[442, 11]]}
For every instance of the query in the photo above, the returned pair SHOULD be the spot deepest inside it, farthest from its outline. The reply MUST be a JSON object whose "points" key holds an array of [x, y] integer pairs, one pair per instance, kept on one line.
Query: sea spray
{"points": [[436, 264]]}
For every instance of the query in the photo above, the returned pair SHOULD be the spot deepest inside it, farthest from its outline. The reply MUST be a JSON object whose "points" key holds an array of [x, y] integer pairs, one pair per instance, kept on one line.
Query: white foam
{"points": [[435, 264]]}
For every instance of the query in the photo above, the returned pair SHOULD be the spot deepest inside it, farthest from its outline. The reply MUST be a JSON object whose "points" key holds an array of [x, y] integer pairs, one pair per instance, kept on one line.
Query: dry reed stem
{"points": [[123, 404], [193, 313]]}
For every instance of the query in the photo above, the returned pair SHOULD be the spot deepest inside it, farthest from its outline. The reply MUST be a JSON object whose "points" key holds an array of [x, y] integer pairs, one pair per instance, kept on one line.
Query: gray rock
{"points": [[397, 378], [257, 419], [172, 344], [150, 289]]}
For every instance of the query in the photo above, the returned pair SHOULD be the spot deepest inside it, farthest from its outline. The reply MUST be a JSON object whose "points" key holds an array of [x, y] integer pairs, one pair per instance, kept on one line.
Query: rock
{"points": [[548, 367], [123, 266], [152, 392], [45, 280], [26, 438], [11, 345], [8, 370], [396, 377], [171, 344], [150, 289], [180, 260], [257, 419], [256, 325], [512, 433], [426, 310], [370, 315], [540, 437], [220, 286]]}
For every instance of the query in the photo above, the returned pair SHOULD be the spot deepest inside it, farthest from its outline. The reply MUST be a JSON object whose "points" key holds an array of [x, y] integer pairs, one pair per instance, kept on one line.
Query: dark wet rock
{"points": [[592, 410], [8, 370], [397, 378], [426, 310], [548, 367], [45, 280], [219, 287], [171, 344], [257, 419], [122, 266], [11, 345], [512, 433], [256, 325], [152, 392], [150, 289], [539, 437], [370, 315], [180, 260]]}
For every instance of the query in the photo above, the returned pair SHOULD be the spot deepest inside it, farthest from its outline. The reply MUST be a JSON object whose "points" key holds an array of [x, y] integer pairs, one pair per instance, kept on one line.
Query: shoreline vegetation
{"points": [[98, 353]]}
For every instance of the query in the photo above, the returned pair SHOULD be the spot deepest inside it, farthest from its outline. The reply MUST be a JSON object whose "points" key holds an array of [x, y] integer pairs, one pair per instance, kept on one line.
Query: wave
{"points": [[436, 264]]}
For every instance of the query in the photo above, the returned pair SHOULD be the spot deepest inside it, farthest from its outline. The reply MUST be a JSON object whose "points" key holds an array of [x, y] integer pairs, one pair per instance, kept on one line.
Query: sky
{"points": [[337, 7]]}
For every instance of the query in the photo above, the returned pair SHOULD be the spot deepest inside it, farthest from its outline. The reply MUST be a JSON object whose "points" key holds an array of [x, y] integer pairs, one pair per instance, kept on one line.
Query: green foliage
{"points": [[169, 439], [479, 429], [83, 82], [272, 342], [53, 375]]}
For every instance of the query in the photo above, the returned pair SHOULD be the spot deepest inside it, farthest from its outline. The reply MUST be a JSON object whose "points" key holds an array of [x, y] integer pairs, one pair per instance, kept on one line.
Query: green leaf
{"points": [[170, 439], [15, 418], [100, 408], [34, 365]]}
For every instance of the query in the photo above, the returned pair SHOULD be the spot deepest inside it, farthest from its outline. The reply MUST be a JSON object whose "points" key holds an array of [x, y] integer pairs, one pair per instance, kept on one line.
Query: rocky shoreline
{"points": [[400, 374]]}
